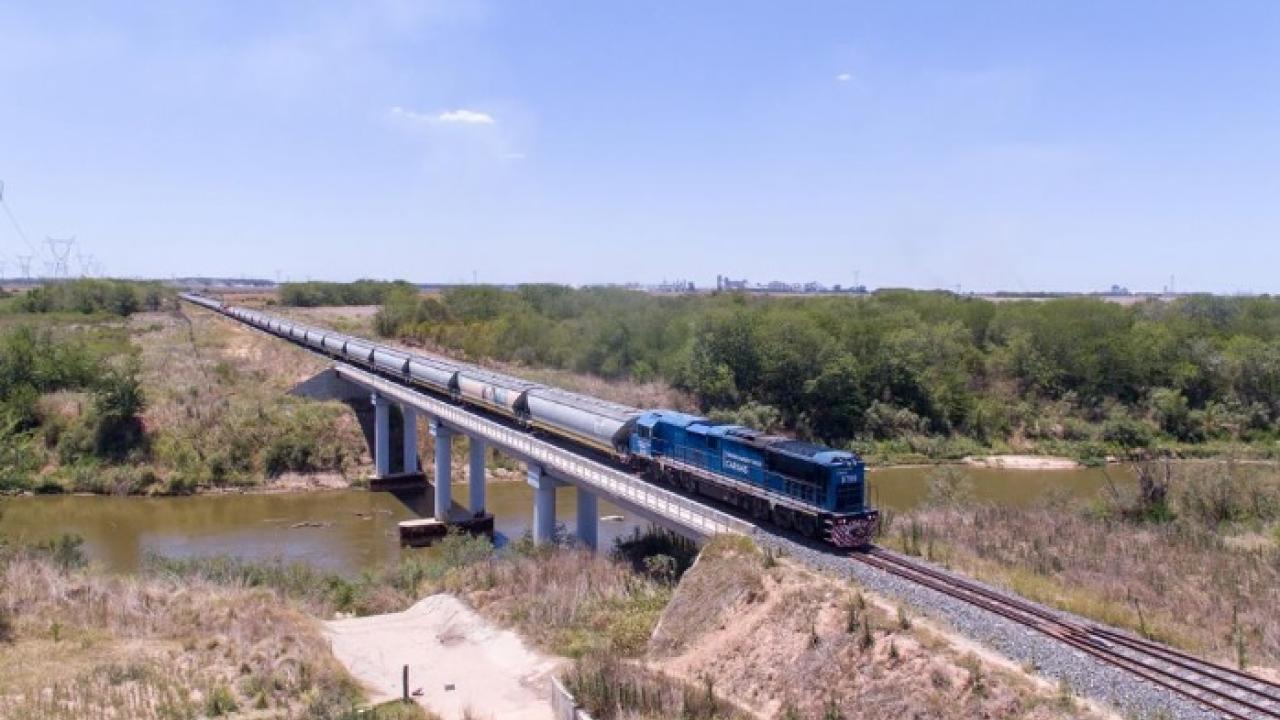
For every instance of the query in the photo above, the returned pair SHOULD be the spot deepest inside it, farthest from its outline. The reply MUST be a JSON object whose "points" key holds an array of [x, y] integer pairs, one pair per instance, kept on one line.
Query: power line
{"points": [[14, 220]]}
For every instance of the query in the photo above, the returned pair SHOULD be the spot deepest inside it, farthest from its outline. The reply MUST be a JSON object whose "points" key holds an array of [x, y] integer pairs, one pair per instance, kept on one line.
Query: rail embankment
{"points": [[787, 642]]}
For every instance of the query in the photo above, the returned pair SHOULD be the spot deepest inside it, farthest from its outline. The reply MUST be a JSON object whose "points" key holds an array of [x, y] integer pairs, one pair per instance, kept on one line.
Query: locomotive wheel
{"points": [[760, 509], [782, 517], [688, 483], [807, 526]]}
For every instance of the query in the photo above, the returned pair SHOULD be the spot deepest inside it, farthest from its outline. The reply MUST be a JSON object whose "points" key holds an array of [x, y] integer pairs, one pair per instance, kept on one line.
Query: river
{"points": [[350, 530]]}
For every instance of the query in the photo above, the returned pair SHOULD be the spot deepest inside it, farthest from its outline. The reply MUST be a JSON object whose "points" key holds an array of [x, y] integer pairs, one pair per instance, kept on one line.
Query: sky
{"points": [[980, 145]]}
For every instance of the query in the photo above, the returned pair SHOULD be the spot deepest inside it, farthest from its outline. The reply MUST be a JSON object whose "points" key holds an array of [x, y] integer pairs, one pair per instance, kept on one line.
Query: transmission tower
{"points": [[24, 262], [60, 253]]}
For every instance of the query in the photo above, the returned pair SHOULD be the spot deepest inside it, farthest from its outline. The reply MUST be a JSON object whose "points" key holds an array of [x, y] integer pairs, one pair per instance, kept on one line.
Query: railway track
{"points": [[1218, 689]]}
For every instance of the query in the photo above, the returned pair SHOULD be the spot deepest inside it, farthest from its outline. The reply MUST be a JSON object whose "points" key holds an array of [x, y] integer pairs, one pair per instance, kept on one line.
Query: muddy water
{"points": [[905, 488], [350, 530], [341, 530]]}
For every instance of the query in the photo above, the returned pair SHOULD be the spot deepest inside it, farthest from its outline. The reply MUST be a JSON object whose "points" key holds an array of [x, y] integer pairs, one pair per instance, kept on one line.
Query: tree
{"points": [[836, 398]]}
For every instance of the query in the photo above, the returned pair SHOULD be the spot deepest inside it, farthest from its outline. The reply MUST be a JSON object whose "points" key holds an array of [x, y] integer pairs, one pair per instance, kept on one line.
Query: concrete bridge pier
{"points": [[381, 435], [410, 438], [588, 518], [444, 469], [544, 504], [475, 476]]}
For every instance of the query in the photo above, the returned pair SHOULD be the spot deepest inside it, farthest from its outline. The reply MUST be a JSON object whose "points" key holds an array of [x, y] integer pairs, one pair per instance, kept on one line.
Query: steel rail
{"points": [[1072, 634]]}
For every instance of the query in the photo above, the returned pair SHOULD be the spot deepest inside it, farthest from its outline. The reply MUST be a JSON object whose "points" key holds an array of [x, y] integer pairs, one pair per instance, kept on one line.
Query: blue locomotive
{"points": [[816, 491]]}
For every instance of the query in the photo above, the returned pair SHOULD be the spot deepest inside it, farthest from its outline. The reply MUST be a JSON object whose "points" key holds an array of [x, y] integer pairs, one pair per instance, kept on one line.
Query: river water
{"points": [[350, 530]]}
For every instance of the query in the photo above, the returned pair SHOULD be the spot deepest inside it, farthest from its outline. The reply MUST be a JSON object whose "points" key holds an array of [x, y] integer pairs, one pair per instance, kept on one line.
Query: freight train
{"points": [[814, 490]]}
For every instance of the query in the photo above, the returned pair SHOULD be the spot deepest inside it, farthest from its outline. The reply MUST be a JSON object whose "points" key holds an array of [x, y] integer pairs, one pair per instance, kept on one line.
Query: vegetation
{"points": [[80, 644], [902, 372], [93, 371], [158, 403], [564, 600], [1141, 556], [87, 296], [610, 689], [360, 292]]}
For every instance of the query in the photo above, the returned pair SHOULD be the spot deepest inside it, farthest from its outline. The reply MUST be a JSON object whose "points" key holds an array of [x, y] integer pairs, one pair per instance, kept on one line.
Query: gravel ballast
{"points": [[1055, 661]]}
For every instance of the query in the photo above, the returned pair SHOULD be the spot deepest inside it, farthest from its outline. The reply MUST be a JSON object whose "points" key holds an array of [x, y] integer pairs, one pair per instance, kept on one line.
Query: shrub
{"points": [[66, 551], [1127, 432], [948, 486], [219, 702]]}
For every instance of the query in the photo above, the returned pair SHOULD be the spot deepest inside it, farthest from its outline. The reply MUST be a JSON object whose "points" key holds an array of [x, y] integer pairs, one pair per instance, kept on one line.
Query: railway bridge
{"points": [[549, 465]]}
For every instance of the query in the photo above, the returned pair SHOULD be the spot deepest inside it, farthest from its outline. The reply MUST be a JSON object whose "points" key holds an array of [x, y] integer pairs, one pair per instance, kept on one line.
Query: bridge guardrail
{"points": [[561, 463]]}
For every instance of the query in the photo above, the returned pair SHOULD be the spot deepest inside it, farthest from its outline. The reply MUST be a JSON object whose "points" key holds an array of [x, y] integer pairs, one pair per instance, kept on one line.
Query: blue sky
{"points": [[991, 145]]}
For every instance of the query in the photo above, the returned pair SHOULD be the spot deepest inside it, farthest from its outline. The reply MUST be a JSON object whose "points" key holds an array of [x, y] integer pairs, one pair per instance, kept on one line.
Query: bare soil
{"points": [[784, 639], [458, 662]]}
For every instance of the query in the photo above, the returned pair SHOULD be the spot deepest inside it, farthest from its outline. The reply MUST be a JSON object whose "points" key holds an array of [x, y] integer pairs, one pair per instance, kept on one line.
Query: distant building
{"points": [[724, 282], [1119, 290]]}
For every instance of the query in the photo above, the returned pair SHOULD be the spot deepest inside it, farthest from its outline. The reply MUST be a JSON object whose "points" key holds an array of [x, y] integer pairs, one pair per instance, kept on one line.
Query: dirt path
{"points": [[460, 663]]}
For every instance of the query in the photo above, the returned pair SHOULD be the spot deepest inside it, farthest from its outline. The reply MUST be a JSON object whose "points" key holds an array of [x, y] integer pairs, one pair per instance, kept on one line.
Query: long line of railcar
{"points": [[817, 491]]}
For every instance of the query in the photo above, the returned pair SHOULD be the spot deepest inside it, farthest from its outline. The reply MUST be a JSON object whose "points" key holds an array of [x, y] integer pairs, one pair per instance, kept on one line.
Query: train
{"points": [[816, 491]]}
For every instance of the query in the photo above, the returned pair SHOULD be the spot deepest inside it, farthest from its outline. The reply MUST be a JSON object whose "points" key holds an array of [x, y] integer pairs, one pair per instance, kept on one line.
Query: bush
{"points": [[66, 551], [948, 485], [116, 297], [360, 292], [659, 553], [1127, 432]]}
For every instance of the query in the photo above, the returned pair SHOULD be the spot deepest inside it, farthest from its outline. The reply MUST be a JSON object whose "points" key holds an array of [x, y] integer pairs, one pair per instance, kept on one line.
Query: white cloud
{"points": [[465, 117], [844, 77], [451, 117]]}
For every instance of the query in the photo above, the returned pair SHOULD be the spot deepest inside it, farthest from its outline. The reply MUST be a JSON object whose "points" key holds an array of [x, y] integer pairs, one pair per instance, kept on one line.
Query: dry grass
{"points": [[800, 645], [218, 404], [570, 602], [1177, 582], [610, 689], [85, 645]]}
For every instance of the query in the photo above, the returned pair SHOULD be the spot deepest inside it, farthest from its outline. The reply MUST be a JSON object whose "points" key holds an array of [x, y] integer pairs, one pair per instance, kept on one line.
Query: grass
{"points": [[569, 602], [1205, 578], [613, 690], [88, 645]]}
